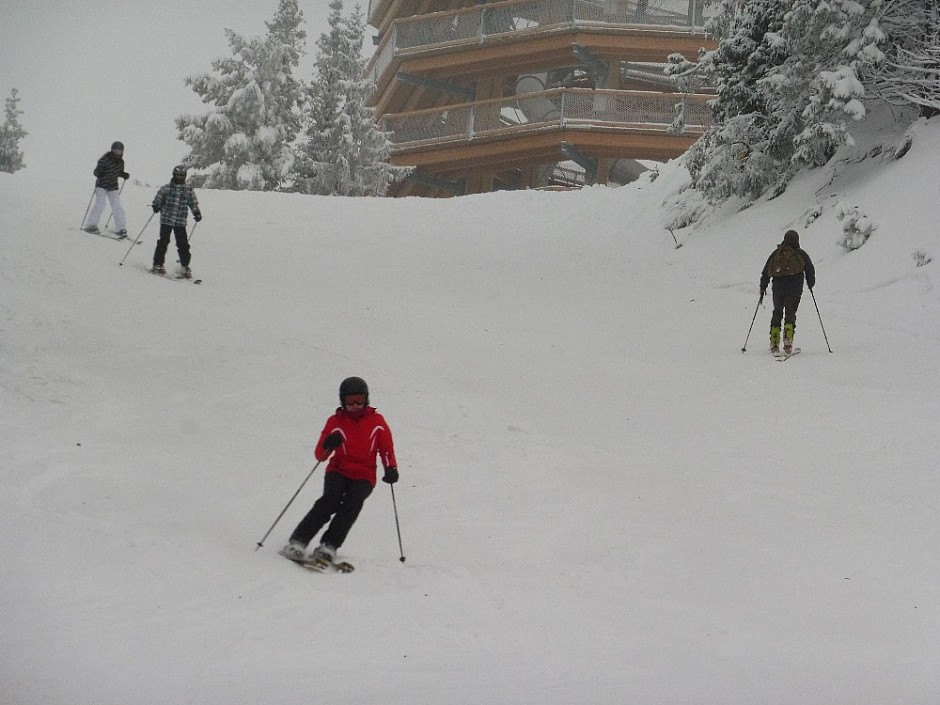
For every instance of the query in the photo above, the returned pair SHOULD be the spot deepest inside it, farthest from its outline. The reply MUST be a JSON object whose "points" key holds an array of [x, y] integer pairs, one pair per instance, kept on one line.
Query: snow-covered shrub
{"points": [[903, 147], [812, 215], [921, 258], [685, 209], [856, 227]]}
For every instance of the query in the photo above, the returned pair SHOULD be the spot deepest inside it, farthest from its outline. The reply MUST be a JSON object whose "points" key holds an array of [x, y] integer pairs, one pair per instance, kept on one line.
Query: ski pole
{"points": [[401, 551], [111, 214], [121, 263], [759, 302], [88, 208], [820, 320], [284, 510]]}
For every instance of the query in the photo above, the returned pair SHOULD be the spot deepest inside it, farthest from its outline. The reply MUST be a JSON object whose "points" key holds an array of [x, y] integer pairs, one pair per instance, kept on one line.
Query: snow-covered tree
{"points": [[246, 141], [344, 152], [910, 72], [11, 132], [788, 82]]}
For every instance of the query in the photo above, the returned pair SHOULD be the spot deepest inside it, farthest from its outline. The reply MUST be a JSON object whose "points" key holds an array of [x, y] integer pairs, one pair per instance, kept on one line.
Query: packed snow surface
{"points": [[602, 499]]}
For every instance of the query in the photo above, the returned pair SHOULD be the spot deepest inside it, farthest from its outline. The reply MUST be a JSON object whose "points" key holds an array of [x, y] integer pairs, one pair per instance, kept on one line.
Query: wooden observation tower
{"points": [[481, 96]]}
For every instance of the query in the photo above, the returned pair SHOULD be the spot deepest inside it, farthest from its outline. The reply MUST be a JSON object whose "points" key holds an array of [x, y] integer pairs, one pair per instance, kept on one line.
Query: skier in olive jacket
{"points": [[787, 291], [107, 172], [354, 436]]}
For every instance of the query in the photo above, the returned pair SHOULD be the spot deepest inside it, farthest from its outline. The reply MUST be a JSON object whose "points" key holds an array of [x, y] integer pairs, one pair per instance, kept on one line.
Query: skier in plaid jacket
{"points": [[173, 202]]}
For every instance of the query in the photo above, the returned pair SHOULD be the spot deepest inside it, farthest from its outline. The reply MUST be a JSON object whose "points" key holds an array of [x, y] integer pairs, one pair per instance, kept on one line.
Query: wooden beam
{"points": [[542, 147], [524, 53]]}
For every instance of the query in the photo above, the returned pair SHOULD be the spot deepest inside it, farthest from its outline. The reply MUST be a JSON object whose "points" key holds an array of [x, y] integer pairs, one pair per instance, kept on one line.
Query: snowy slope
{"points": [[602, 499]]}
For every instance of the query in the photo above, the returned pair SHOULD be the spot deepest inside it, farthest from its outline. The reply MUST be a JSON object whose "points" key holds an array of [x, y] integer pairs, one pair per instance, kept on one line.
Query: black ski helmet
{"points": [[353, 385], [117, 146], [179, 171]]}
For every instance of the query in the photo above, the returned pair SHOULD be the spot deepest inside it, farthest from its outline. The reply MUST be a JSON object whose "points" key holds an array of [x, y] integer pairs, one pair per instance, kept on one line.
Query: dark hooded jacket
{"points": [[794, 281]]}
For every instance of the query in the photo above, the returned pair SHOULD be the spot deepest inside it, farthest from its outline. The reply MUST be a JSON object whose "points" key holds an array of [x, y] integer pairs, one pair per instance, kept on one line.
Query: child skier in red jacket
{"points": [[355, 435]]}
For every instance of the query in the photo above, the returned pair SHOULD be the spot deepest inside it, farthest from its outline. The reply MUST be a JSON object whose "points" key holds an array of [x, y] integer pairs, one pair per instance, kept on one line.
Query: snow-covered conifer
{"points": [[910, 71], [788, 85], [11, 132], [344, 152], [246, 140]]}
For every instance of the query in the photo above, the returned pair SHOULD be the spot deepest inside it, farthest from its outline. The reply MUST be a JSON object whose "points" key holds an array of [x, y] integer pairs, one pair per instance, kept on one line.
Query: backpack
{"points": [[785, 262]]}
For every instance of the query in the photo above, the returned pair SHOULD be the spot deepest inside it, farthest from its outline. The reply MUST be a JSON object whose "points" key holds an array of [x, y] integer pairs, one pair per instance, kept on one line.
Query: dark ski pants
{"points": [[182, 244], [786, 301], [342, 497]]}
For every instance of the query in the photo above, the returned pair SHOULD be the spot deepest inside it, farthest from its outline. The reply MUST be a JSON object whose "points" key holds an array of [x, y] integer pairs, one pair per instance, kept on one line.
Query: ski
{"points": [[176, 277], [318, 565], [783, 357], [109, 234]]}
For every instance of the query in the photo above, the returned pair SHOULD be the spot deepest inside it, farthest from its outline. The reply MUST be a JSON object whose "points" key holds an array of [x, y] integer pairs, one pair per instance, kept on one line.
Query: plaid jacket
{"points": [[108, 169], [172, 200]]}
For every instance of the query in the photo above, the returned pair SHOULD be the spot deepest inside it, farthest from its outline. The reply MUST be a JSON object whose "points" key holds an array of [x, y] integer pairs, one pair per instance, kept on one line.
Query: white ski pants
{"points": [[114, 198]]}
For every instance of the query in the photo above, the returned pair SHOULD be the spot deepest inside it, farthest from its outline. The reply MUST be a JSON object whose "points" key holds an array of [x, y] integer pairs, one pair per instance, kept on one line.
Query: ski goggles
{"points": [[354, 400]]}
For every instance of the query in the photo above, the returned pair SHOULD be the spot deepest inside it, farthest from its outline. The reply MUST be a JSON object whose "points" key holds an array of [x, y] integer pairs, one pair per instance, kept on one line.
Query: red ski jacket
{"points": [[365, 435]]}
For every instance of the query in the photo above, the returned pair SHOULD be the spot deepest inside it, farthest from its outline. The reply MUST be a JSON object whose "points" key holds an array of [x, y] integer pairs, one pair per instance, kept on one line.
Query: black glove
{"points": [[391, 475], [334, 440], [197, 216], [156, 209], [125, 175]]}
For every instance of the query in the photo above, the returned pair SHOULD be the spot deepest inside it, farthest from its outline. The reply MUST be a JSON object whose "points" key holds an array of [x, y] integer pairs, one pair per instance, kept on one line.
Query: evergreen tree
{"points": [[344, 153], [910, 72], [788, 82], [246, 141], [11, 132], [736, 157]]}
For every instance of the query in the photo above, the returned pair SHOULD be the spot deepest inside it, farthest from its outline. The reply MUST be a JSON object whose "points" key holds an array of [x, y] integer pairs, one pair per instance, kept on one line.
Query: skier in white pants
{"points": [[109, 168]]}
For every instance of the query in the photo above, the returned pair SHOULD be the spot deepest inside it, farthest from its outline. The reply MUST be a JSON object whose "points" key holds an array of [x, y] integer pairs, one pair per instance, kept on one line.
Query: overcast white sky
{"points": [[90, 72]]}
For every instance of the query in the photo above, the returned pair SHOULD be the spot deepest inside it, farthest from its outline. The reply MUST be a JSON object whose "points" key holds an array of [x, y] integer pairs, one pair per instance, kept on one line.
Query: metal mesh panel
{"points": [[438, 28], [475, 24], [671, 13], [429, 125], [650, 110], [383, 58], [611, 109], [527, 15]]}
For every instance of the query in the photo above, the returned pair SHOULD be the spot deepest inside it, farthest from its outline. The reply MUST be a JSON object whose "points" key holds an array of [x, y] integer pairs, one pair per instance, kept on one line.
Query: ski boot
{"points": [[186, 273], [323, 560], [324, 553], [775, 340], [93, 229], [159, 269], [294, 551], [789, 330]]}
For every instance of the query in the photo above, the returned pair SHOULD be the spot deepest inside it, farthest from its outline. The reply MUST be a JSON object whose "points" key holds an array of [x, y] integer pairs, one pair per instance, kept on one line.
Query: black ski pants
{"points": [[182, 244], [787, 292], [342, 499]]}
